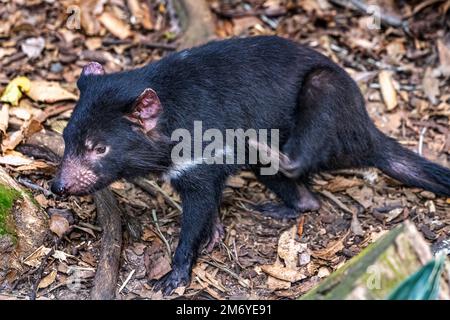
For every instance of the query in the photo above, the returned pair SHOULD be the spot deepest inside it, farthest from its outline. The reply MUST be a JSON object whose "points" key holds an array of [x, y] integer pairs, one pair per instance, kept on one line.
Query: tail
{"points": [[411, 169]]}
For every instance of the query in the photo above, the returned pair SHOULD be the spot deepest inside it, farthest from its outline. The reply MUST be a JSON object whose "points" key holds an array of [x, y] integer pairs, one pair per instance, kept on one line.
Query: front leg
{"points": [[200, 191]]}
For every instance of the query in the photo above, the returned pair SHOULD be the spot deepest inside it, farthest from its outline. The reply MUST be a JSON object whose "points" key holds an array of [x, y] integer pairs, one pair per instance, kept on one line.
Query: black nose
{"points": [[58, 187]]}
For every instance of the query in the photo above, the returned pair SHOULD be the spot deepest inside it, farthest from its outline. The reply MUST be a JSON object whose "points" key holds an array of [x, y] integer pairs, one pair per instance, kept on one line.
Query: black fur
{"points": [[259, 83]]}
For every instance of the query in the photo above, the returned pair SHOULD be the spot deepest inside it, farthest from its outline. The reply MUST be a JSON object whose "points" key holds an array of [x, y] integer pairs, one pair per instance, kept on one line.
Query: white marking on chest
{"points": [[180, 167], [177, 169]]}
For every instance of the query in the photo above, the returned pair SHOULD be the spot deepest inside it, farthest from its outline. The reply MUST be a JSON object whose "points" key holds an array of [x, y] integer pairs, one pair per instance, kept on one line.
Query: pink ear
{"points": [[146, 110], [93, 68]]}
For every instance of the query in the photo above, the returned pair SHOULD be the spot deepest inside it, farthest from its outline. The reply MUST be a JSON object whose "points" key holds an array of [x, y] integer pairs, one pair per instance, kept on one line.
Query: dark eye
{"points": [[100, 149]]}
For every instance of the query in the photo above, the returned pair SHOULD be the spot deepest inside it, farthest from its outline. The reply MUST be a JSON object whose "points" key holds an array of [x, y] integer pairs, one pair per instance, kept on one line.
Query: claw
{"points": [[276, 211], [172, 280]]}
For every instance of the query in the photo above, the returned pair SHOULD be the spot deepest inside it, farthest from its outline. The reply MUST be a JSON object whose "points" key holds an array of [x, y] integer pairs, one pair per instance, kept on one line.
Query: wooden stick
{"points": [[108, 216], [361, 6]]}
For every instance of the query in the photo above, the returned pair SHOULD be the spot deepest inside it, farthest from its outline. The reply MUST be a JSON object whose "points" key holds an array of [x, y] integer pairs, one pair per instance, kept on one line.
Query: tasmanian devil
{"points": [[123, 125]]}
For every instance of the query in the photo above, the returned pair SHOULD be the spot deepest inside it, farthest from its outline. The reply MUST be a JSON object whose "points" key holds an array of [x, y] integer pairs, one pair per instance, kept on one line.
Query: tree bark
{"points": [[196, 22], [23, 225], [108, 216]]}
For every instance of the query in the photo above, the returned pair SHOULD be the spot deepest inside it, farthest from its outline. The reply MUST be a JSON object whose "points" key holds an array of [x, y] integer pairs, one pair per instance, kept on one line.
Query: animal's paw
{"points": [[276, 210], [172, 280]]}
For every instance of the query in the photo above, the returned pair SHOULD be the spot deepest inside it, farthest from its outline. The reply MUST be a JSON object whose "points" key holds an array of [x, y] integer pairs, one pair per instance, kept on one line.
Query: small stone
{"points": [[33, 47], [56, 67], [304, 259], [323, 272]]}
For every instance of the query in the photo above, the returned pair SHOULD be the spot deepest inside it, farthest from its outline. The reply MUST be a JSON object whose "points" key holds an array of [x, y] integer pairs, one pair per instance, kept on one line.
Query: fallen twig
{"points": [[152, 188], [34, 186], [108, 216], [339, 203], [127, 280], [385, 18], [161, 235]]}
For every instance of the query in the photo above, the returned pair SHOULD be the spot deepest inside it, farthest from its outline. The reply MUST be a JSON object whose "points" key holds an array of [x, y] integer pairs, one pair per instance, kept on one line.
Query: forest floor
{"points": [[402, 72]]}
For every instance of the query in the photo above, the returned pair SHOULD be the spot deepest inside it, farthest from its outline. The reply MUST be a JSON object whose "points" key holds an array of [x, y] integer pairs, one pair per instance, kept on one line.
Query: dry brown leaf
{"points": [[116, 26], [48, 280], [430, 85], [159, 267], [394, 213], [240, 25], [444, 57], [59, 224], [390, 122], [363, 196], [42, 200], [149, 235], [286, 266], [396, 49], [34, 259], [49, 92], [277, 284], [4, 118], [289, 248], [5, 52], [12, 140], [329, 252], [207, 277], [156, 260], [88, 11], [93, 43], [15, 159], [340, 183], [283, 273], [387, 89], [141, 13]]}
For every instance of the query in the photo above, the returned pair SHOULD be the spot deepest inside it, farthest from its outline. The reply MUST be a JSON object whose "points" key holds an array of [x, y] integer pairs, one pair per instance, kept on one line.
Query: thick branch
{"points": [[108, 216]]}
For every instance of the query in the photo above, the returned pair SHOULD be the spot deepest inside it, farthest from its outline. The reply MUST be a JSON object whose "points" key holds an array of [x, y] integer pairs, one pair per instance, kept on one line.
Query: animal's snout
{"points": [[58, 187]]}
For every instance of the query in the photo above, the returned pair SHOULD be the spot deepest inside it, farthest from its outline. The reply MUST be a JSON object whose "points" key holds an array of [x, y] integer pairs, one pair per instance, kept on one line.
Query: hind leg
{"points": [[332, 128], [296, 197]]}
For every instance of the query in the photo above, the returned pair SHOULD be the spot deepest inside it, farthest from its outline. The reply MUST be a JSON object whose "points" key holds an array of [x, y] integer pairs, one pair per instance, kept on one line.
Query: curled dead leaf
{"points": [[49, 92], [4, 118], [430, 85], [14, 90], [116, 26], [59, 224], [340, 183], [33, 47], [329, 252], [444, 57], [280, 272], [48, 280], [141, 13], [387, 89]]}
